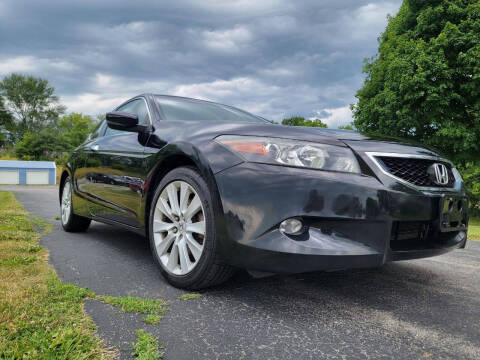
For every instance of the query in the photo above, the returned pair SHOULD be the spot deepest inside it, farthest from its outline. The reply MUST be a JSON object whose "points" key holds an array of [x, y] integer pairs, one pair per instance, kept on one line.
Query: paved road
{"points": [[409, 310]]}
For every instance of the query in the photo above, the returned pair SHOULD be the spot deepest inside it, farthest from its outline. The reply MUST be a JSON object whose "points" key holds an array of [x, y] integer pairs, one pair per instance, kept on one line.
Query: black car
{"points": [[215, 189]]}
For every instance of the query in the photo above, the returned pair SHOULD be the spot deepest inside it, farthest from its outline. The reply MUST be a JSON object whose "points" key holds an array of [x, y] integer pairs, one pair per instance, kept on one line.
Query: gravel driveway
{"points": [[408, 310]]}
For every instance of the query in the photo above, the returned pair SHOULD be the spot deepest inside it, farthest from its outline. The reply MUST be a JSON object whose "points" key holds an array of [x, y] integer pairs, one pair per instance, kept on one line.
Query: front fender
{"points": [[209, 158]]}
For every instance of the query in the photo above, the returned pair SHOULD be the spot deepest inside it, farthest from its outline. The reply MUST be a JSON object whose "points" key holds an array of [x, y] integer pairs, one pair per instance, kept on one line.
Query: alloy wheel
{"points": [[66, 202], [179, 228]]}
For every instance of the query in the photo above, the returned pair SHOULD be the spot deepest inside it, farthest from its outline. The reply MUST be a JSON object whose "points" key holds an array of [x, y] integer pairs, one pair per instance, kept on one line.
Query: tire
{"points": [[70, 221], [172, 236]]}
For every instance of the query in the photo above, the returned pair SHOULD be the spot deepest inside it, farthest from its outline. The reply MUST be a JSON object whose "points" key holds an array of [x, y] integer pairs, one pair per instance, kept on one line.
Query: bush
{"points": [[471, 175], [300, 121]]}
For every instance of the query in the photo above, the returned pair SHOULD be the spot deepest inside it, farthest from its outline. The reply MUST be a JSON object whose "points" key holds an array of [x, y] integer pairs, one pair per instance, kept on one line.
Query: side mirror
{"points": [[120, 120]]}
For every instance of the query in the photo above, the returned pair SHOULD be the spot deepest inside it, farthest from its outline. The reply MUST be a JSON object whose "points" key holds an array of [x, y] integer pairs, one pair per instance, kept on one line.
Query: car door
{"points": [[114, 170]]}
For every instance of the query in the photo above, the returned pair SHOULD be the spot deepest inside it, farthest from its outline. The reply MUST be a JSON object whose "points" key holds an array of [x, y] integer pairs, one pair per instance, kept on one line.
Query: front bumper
{"points": [[354, 221]]}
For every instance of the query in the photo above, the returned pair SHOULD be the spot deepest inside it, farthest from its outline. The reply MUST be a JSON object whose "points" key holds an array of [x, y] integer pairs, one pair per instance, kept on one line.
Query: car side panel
{"points": [[114, 178]]}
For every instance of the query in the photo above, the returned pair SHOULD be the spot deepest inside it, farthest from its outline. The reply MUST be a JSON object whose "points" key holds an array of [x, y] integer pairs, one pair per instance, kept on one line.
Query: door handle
{"points": [[94, 147]]}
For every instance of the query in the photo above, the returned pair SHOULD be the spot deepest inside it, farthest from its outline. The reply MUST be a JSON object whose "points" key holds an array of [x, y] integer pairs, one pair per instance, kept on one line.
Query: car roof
{"points": [[186, 98]]}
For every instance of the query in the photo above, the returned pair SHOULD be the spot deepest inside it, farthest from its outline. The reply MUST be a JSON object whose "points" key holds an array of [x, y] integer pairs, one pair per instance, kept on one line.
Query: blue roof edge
{"points": [[27, 164]]}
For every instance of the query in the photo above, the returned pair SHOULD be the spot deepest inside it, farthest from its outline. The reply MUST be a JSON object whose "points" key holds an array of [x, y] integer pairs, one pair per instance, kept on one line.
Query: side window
{"points": [[137, 107], [142, 112], [111, 131]]}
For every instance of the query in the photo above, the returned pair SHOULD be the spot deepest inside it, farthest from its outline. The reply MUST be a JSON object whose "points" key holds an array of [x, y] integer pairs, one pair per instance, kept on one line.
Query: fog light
{"points": [[292, 226]]}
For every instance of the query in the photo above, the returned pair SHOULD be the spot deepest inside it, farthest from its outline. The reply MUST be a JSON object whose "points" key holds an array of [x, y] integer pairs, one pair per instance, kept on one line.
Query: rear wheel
{"points": [[182, 231], [70, 221]]}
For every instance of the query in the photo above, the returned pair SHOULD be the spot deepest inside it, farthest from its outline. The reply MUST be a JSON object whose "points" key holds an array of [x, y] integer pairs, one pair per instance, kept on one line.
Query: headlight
{"points": [[292, 153]]}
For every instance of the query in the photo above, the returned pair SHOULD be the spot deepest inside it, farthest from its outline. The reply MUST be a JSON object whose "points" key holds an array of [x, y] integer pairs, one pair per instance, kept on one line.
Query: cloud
{"points": [[17, 64], [240, 7], [224, 88], [95, 103], [3, 10], [373, 16], [275, 58], [335, 117], [227, 41], [27, 64]]}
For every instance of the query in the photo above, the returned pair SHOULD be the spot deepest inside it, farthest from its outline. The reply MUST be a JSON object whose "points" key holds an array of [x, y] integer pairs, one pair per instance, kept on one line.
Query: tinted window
{"points": [[137, 107], [177, 109]]}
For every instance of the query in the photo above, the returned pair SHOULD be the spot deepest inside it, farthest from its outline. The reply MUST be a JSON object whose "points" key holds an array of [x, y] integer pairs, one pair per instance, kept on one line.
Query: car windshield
{"points": [[179, 109]]}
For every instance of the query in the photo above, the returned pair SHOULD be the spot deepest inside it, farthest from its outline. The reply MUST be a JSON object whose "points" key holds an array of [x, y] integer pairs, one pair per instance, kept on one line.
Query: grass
{"points": [[43, 318], [18, 260], [189, 296], [40, 317], [146, 347], [138, 305], [153, 308], [152, 319], [474, 229], [7, 155]]}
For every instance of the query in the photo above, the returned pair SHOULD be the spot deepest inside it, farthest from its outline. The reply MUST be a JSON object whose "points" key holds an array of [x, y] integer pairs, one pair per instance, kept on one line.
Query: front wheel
{"points": [[70, 221], [182, 231]]}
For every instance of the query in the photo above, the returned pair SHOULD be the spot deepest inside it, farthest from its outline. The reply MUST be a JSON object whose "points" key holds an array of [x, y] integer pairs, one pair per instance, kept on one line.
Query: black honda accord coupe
{"points": [[215, 189]]}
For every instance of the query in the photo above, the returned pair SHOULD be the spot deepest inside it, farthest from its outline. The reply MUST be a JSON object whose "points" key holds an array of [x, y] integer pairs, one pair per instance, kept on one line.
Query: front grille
{"points": [[420, 235], [409, 230], [414, 170], [409, 235]]}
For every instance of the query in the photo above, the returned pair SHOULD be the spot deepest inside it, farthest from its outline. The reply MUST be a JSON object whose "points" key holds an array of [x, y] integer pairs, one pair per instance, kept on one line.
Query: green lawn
{"points": [[474, 229], [40, 316]]}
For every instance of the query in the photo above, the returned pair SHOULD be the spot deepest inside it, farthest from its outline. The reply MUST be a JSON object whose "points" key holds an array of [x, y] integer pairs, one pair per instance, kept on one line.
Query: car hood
{"points": [[358, 142], [211, 129], [363, 143]]}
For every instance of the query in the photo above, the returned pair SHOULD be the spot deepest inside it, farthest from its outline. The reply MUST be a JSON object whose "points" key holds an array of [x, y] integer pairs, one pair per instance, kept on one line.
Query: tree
{"points": [[471, 176], [300, 121], [44, 145], [6, 123], [346, 127], [5, 116], [56, 142], [101, 117], [74, 129], [31, 102], [424, 83], [3, 139]]}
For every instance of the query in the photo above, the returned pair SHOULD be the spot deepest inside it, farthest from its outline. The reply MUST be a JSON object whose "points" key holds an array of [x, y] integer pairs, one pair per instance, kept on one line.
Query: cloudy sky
{"points": [[275, 58]]}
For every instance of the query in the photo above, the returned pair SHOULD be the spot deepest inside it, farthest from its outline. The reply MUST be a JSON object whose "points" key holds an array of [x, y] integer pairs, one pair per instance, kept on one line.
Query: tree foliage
{"points": [[74, 129], [424, 84], [6, 123], [425, 81], [5, 116], [471, 176], [29, 120], [300, 121], [39, 146], [346, 127], [56, 142], [31, 103]]}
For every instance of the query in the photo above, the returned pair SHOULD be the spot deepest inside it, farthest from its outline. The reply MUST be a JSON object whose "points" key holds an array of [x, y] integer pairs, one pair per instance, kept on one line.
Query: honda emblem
{"points": [[439, 174]]}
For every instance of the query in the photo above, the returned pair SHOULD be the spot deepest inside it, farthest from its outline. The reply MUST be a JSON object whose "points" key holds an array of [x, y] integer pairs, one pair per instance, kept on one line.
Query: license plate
{"points": [[453, 213]]}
